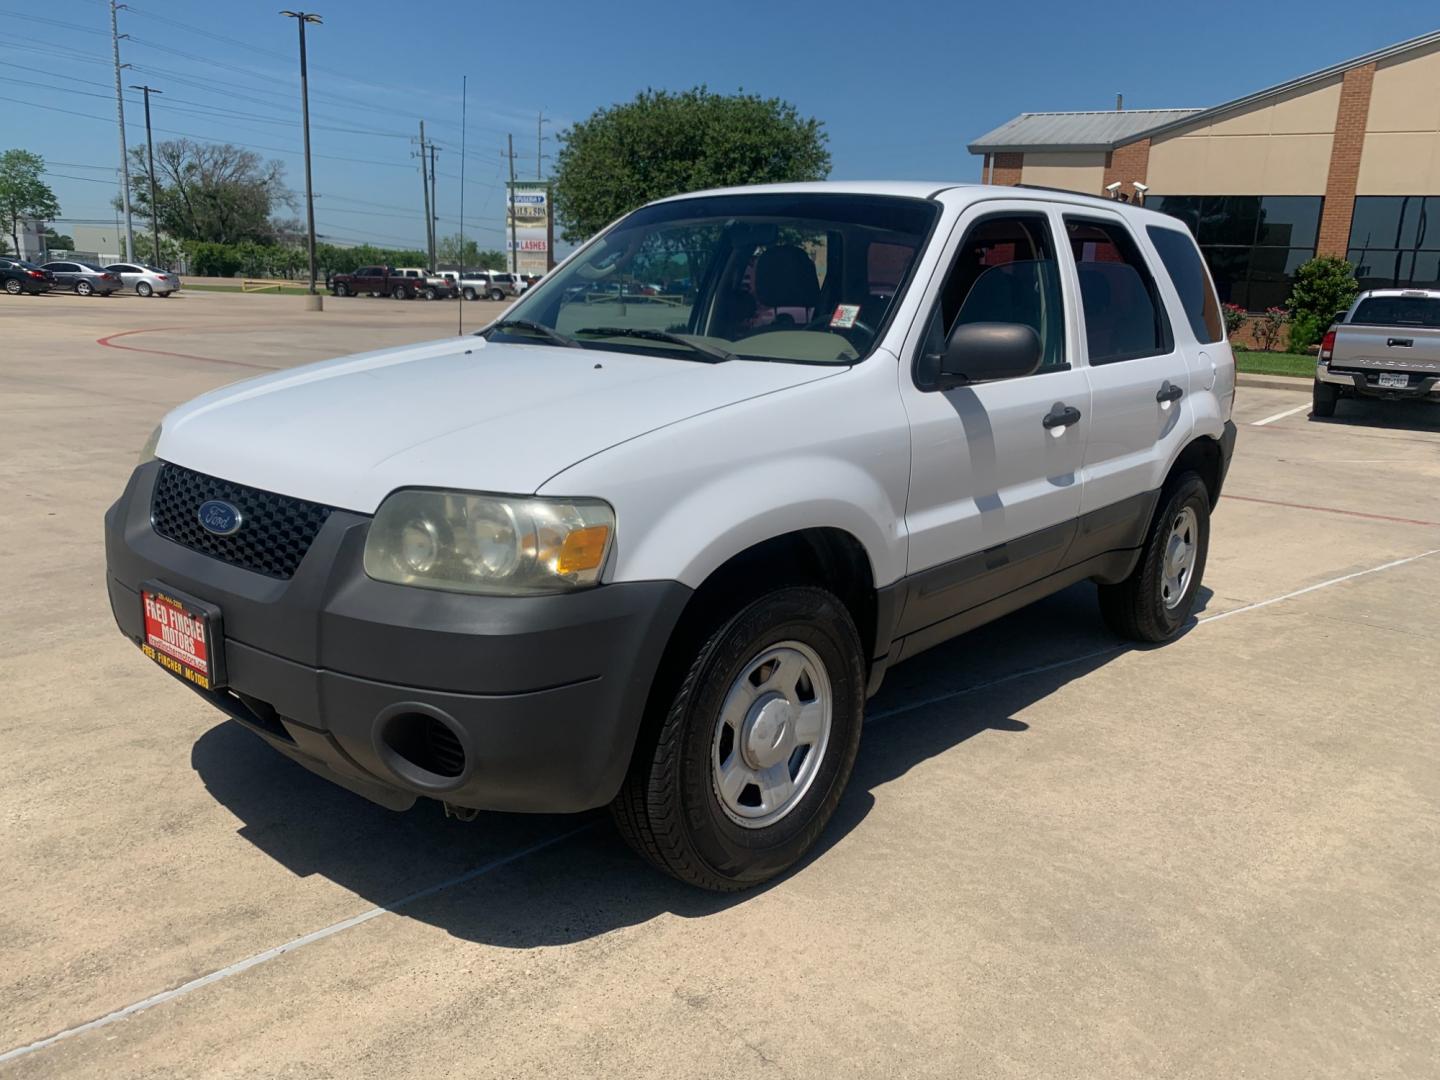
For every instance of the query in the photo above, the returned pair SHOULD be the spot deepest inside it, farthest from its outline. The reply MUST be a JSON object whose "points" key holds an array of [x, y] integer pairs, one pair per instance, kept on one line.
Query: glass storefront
{"points": [[1395, 241], [1252, 243]]}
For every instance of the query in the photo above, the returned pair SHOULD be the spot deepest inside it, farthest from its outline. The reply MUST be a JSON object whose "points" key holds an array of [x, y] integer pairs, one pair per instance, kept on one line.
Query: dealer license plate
{"points": [[1394, 382], [182, 636]]}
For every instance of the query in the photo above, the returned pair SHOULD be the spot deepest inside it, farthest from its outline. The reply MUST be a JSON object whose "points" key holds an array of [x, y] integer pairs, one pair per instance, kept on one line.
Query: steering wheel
{"points": [[822, 322]]}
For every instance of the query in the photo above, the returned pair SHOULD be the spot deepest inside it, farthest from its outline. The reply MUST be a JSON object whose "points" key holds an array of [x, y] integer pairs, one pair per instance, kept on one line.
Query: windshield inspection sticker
{"points": [[845, 316]]}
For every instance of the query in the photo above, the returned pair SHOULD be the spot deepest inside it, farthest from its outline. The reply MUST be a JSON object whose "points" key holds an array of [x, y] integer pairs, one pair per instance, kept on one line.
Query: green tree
{"points": [[23, 194], [211, 192], [666, 143], [1322, 287], [448, 251], [58, 241]]}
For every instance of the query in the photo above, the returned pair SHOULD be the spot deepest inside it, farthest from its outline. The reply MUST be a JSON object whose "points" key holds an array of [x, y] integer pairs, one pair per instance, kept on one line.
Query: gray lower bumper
{"points": [[1363, 382], [544, 693]]}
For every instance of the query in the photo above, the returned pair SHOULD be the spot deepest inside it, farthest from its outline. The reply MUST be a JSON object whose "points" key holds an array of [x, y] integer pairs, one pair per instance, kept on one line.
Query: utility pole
{"points": [[301, 18], [464, 108], [434, 208], [540, 145], [150, 157], [425, 191], [514, 247], [115, 36]]}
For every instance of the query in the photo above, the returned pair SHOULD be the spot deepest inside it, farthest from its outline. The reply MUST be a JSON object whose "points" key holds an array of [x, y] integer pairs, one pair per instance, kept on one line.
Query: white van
{"points": [[653, 538]]}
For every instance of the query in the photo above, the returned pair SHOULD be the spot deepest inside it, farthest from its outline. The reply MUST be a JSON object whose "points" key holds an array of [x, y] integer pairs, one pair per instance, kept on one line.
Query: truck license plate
{"points": [[1394, 382], [182, 636]]}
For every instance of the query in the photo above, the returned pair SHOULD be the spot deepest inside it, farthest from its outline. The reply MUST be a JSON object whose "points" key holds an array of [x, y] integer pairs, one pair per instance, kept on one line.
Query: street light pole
{"points": [[115, 37], [301, 18], [150, 156]]}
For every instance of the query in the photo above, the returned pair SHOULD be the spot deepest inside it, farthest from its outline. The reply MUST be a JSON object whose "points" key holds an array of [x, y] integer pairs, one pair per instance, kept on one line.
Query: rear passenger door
{"points": [[994, 491], [1139, 379]]}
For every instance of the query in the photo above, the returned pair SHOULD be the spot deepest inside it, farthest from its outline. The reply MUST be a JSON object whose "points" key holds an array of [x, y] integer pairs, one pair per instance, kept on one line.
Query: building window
{"points": [[1253, 244], [1395, 241]]}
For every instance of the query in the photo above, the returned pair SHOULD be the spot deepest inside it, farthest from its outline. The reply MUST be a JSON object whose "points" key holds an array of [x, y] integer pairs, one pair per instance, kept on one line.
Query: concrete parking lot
{"points": [[1059, 855]]}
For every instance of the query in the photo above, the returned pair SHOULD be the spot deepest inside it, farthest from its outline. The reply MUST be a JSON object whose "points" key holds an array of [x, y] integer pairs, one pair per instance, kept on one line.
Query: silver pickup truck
{"points": [[1386, 345]]}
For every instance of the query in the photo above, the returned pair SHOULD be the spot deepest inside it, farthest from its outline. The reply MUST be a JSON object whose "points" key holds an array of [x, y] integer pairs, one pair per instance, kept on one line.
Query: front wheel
{"points": [[84, 288], [1155, 600], [340, 289], [430, 293], [1322, 402], [739, 778]]}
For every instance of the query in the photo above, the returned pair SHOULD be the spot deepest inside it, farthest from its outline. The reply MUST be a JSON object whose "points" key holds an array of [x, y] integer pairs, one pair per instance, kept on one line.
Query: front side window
{"points": [[1004, 271], [1124, 316], [803, 278], [1187, 272]]}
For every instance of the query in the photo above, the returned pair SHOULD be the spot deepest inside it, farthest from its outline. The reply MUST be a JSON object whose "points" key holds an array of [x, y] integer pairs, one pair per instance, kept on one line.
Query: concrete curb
{"points": [[1275, 382]]}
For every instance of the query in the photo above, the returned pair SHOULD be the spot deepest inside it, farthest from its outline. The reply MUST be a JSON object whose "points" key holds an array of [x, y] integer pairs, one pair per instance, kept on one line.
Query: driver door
{"points": [[995, 482]]}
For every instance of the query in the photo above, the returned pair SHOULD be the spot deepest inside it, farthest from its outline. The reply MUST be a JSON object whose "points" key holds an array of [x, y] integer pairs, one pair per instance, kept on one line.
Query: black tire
{"points": [[668, 808], [1137, 607], [496, 294], [13, 287], [84, 288], [1322, 402], [430, 292], [398, 292], [144, 289], [468, 293], [340, 289]]}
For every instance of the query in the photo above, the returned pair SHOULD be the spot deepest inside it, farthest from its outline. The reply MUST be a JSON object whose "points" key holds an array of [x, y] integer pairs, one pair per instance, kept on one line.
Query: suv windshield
{"points": [[806, 278]]}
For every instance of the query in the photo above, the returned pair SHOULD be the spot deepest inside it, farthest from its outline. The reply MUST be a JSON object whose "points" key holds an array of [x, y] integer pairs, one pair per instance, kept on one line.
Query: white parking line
{"points": [[504, 860], [1281, 415], [289, 946]]}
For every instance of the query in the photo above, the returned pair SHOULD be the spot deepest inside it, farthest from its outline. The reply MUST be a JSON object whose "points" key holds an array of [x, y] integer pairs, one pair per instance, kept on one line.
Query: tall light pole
{"points": [[301, 18], [540, 145], [115, 36], [514, 247], [150, 156]]}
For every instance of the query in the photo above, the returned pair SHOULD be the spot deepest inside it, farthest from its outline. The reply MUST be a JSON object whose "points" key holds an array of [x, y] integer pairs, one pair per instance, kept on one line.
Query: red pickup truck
{"points": [[377, 281]]}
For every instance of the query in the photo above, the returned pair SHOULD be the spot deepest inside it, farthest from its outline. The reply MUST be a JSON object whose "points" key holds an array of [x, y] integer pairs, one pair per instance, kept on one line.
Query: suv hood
{"points": [[459, 413]]}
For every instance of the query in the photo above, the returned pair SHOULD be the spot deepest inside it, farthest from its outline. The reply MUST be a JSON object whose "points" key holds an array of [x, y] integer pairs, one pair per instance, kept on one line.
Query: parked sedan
{"points": [[83, 278], [145, 280], [20, 276]]}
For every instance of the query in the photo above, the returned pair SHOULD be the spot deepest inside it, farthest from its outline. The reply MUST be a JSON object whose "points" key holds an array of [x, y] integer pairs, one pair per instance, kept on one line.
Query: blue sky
{"points": [[901, 87]]}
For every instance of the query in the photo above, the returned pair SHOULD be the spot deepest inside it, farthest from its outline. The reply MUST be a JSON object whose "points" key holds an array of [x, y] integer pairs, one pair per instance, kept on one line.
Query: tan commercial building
{"points": [[1343, 161]]}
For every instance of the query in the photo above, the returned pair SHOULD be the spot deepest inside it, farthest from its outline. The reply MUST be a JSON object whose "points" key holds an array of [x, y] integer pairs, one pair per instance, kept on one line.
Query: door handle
{"points": [[1168, 392], [1061, 415]]}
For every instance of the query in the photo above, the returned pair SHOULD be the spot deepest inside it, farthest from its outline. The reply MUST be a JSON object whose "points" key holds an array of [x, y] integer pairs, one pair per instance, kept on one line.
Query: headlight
{"points": [[147, 452], [488, 543]]}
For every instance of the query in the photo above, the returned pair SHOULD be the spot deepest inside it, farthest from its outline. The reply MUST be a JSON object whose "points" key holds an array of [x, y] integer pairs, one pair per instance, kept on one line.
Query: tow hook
{"points": [[460, 813]]}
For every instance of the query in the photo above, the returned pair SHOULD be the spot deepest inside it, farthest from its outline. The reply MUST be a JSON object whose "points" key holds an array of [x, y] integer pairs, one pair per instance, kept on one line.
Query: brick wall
{"points": [[1006, 168], [1127, 163], [1345, 154]]}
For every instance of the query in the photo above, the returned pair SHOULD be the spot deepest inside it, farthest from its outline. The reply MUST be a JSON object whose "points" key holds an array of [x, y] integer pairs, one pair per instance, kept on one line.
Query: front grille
{"points": [[275, 530]]}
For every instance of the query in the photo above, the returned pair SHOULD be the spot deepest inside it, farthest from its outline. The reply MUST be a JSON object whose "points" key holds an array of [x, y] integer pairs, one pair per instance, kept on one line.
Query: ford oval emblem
{"points": [[219, 517]]}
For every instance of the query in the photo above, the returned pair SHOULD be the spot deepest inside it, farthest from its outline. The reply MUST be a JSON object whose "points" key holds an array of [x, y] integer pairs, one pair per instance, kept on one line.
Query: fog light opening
{"points": [[427, 744]]}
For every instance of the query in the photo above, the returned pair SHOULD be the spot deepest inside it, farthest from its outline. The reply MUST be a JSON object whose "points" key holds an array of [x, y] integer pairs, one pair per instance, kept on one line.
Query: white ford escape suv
{"points": [[653, 537]]}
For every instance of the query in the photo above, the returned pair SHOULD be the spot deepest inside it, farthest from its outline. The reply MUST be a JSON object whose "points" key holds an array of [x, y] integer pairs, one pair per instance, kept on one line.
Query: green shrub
{"points": [[1269, 327], [1234, 318], [1322, 287], [1305, 331]]}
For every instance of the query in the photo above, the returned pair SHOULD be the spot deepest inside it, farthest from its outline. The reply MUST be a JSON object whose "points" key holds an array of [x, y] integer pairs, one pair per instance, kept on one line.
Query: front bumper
{"points": [[1363, 382], [544, 694]]}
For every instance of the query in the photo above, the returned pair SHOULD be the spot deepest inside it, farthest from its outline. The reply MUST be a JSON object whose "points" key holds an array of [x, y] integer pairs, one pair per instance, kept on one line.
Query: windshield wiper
{"points": [[548, 333], [716, 355]]}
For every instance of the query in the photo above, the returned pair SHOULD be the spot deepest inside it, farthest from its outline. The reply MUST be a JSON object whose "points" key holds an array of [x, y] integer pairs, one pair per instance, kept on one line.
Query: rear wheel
{"points": [[496, 294], [398, 292], [430, 292], [1324, 398], [468, 293], [1158, 596], [144, 289], [84, 288], [741, 775]]}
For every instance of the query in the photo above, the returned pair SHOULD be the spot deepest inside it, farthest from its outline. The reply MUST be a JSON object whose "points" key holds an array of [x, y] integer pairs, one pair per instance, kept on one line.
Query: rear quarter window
{"points": [[1192, 281]]}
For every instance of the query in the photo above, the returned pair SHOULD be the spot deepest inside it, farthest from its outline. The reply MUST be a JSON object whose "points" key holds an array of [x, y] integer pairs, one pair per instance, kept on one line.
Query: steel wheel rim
{"points": [[1181, 546], [771, 735]]}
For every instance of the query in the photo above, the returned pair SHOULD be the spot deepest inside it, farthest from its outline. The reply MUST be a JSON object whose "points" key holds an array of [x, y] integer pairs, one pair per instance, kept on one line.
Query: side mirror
{"points": [[985, 351]]}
